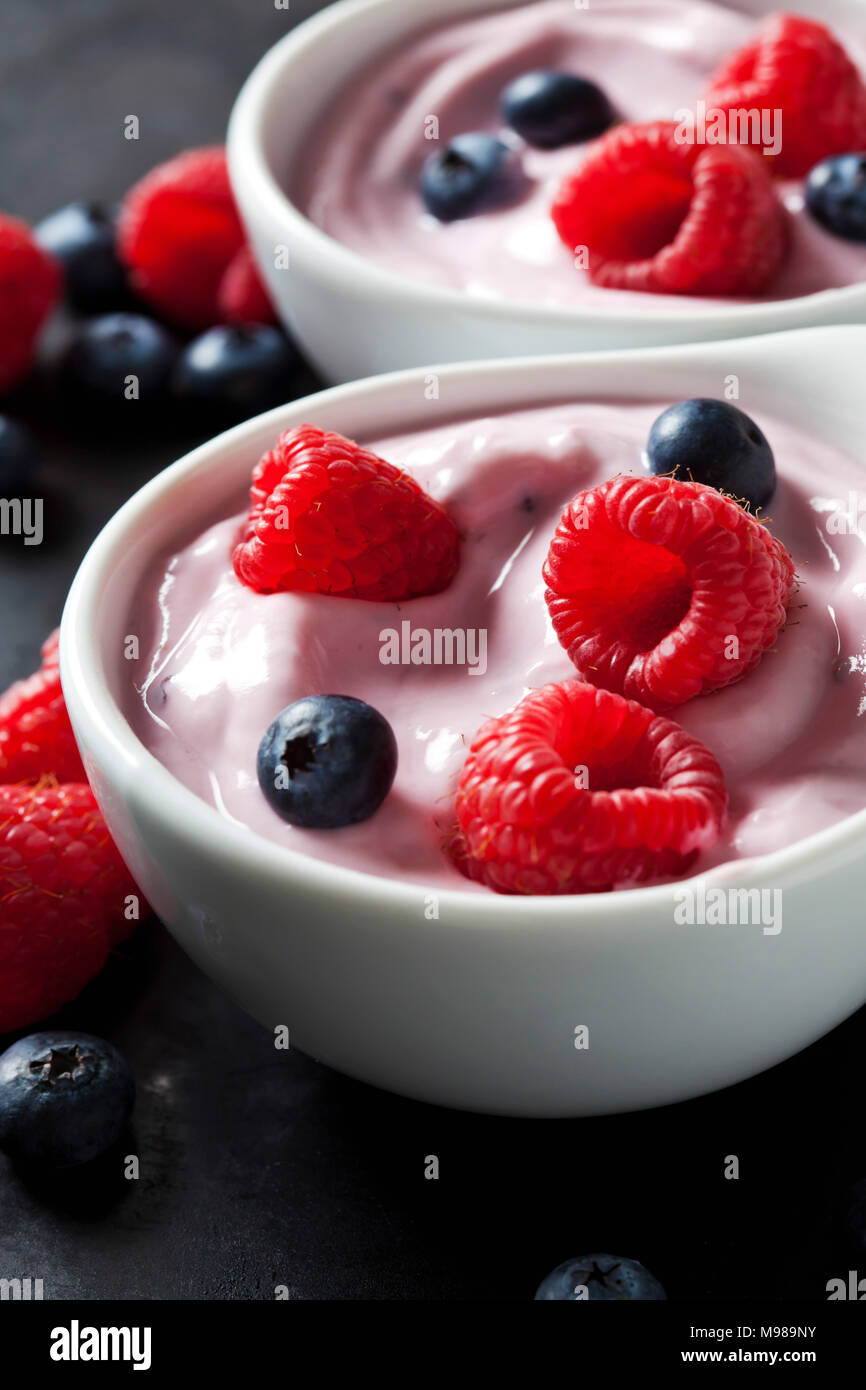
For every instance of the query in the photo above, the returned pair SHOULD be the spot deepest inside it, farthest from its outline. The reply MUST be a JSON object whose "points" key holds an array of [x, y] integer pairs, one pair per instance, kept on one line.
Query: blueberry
{"points": [[713, 442], [836, 195], [237, 369], [550, 109], [106, 353], [19, 458], [473, 173], [606, 1279], [82, 237], [65, 1098], [327, 761]]}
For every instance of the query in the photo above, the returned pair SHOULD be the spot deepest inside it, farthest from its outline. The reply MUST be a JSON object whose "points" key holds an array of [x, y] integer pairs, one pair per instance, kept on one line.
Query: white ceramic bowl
{"points": [[477, 1009], [355, 317]]}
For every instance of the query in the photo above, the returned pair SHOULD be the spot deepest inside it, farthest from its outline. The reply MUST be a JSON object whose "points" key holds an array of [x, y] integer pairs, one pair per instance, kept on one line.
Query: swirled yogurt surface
{"points": [[359, 174], [219, 661]]}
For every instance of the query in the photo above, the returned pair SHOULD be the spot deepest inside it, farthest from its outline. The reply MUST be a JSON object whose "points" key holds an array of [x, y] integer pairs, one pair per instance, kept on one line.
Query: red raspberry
{"points": [[30, 286], [178, 232], [795, 65], [672, 217], [36, 737], [663, 589], [63, 891], [646, 798], [243, 296], [330, 517]]}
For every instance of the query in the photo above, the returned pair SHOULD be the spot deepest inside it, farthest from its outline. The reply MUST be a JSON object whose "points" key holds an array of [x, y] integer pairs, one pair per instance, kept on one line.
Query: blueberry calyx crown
{"points": [[327, 761], [475, 172]]}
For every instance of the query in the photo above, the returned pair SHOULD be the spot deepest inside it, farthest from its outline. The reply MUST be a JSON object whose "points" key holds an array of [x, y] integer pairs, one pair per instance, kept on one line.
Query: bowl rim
{"points": [[146, 780], [250, 168]]}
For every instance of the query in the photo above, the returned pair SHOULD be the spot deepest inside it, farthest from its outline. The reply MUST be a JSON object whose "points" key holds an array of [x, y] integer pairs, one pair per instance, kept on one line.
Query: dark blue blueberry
{"points": [[550, 109], [327, 761], [19, 458], [473, 173], [82, 237], [65, 1098], [107, 353], [239, 370], [712, 442], [836, 195], [606, 1278]]}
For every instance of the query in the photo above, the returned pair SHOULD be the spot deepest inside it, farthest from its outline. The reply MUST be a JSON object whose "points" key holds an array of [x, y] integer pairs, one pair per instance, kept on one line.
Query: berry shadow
{"points": [[88, 1192]]}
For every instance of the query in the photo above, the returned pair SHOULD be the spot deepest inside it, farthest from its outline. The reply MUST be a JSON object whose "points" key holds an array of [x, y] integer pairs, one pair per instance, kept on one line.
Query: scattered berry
{"points": [[656, 214], [237, 369], [605, 1279], [178, 232], [836, 195], [30, 282], [578, 790], [796, 66], [327, 761], [243, 296], [81, 237], [474, 173], [19, 457], [106, 352], [663, 589], [549, 109], [714, 443], [63, 893], [36, 738], [330, 517], [65, 1098]]}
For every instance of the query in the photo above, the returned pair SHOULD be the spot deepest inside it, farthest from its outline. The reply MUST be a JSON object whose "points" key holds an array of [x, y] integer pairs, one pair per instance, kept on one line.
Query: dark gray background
{"points": [[259, 1169]]}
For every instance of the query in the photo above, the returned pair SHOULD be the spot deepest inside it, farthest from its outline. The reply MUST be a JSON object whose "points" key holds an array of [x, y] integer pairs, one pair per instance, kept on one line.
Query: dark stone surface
{"points": [[257, 1168]]}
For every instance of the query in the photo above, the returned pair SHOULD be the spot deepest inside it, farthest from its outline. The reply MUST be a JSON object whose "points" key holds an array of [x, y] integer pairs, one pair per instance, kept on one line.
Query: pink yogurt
{"points": [[220, 661], [359, 177]]}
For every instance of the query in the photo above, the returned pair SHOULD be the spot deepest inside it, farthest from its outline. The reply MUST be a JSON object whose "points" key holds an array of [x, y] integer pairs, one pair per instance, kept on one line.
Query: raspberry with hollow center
{"points": [[330, 517], [668, 216], [579, 790], [796, 66], [664, 590]]}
